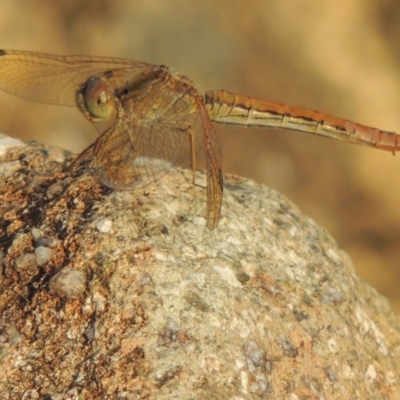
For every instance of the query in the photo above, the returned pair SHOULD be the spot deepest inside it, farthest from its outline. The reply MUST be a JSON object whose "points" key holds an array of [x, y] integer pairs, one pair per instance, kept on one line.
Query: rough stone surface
{"points": [[158, 307]]}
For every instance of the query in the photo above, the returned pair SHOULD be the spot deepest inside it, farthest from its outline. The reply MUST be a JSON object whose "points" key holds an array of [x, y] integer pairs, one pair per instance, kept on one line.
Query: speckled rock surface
{"points": [[127, 295]]}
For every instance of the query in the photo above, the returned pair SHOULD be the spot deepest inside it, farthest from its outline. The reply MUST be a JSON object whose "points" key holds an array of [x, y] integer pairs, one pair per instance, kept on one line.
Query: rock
{"points": [[157, 306]]}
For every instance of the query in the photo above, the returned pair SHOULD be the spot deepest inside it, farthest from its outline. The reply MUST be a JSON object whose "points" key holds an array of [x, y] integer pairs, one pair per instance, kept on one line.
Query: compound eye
{"points": [[98, 99]]}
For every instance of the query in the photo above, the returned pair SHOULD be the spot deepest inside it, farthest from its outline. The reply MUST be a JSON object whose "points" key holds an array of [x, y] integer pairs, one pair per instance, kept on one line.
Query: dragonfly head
{"points": [[96, 100]]}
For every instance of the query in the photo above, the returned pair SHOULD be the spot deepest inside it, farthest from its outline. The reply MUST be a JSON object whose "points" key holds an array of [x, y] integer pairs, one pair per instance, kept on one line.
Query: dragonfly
{"points": [[150, 120]]}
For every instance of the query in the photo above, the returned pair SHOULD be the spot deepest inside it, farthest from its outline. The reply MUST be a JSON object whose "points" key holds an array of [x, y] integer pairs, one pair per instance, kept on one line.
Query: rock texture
{"points": [[127, 294]]}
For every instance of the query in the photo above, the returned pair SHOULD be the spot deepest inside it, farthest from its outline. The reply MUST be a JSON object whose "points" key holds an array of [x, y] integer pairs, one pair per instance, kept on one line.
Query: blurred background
{"points": [[338, 57]]}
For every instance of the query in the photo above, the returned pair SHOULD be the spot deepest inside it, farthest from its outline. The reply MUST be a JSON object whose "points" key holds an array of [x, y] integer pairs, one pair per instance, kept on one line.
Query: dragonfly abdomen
{"points": [[228, 108]]}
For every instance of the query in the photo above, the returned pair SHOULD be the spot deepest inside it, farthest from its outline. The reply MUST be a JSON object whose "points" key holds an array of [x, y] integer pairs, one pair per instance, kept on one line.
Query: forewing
{"points": [[162, 128], [154, 134], [55, 79]]}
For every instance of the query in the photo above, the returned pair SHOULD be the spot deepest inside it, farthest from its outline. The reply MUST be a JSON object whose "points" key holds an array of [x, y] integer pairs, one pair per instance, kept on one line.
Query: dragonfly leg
{"points": [[86, 155]]}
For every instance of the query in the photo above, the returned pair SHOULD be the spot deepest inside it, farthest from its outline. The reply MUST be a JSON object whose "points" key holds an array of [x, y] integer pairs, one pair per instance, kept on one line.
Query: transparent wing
{"points": [[162, 128], [155, 134], [54, 79], [214, 169]]}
